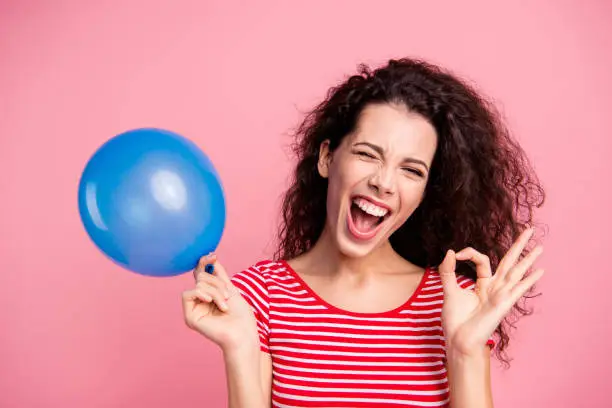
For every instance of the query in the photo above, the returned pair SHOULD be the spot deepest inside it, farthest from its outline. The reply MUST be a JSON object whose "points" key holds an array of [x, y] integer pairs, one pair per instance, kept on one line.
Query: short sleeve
{"points": [[467, 283], [253, 288]]}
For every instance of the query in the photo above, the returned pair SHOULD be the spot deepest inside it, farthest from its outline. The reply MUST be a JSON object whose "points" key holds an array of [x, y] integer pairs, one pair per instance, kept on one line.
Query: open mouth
{"points": [[366, 218]]}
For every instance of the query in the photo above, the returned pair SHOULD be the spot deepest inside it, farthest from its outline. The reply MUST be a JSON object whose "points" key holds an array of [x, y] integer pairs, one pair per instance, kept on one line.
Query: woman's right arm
{"points": [[216, 309], [249, 377]]}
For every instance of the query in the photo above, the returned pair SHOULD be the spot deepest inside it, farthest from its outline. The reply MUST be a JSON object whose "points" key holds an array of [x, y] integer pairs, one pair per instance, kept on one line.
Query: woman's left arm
{"points": [[470, 317], [469, 379]]}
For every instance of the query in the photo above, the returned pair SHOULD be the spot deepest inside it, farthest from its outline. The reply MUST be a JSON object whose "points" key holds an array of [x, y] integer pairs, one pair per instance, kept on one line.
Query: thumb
{"points": [[218, 270], [447, 272]]}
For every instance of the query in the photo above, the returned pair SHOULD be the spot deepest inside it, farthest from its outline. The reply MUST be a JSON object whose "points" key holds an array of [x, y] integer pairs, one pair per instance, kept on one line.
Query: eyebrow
{"points": [[380, 151]]}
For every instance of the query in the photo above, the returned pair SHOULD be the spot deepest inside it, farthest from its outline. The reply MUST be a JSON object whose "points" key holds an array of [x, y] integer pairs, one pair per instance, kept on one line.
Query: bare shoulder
{"points": [[304, 264]]}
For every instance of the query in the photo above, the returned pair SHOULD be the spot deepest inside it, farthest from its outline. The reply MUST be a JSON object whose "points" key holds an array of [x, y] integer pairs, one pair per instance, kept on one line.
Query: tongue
{"points": [[363, 221]]}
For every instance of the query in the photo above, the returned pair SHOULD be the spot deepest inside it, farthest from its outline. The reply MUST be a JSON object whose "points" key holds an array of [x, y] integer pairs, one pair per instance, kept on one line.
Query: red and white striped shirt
{"points": [[323, 356]]}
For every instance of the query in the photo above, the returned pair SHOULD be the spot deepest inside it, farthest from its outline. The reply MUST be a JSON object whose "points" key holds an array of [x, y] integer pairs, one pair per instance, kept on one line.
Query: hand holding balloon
{"points": [[216, 309], [152, 201]]}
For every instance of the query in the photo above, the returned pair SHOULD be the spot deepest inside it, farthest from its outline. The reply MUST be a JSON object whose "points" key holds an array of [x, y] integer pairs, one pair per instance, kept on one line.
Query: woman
{"points": [[366, 303]]}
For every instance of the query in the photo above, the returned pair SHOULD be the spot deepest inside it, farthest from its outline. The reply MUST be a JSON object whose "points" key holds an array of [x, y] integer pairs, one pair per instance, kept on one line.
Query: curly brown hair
{"points": [[482, 191]]}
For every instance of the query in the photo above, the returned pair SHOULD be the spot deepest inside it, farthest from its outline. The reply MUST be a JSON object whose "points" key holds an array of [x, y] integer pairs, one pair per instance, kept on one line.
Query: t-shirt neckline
{"points": [[391, 312]]}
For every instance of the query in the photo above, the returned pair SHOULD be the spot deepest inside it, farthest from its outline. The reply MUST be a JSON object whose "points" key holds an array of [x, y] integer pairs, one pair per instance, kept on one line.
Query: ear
{"points": [[324, 159]]}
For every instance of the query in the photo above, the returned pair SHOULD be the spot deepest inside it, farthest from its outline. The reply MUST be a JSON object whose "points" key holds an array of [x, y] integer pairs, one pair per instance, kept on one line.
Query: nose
{"points": [[383, 181]]}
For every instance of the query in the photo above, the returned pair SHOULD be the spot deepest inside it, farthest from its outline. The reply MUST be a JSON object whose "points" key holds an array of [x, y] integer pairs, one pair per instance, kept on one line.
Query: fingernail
{"points": [[224, 306]]}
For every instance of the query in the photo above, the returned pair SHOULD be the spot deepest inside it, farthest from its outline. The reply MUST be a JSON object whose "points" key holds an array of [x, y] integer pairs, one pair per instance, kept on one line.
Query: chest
{"points": [[320, 357], [366, 297], [382, 347]]}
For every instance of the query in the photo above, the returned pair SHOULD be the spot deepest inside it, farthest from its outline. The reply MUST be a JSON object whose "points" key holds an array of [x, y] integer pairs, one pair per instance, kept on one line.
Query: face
{"points": [[377, 176]]}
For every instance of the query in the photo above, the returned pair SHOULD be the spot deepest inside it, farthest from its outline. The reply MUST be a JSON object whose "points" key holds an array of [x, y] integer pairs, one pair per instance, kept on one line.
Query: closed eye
{"points": [[414, 171], [365, 154]]}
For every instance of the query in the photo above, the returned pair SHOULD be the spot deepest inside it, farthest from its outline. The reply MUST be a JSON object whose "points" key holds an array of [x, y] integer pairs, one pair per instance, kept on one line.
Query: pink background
{"points": [[77, 331]]}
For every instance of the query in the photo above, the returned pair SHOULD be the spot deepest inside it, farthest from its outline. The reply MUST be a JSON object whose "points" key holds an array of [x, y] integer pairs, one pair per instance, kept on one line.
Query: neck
{"points": [[326, 258]]}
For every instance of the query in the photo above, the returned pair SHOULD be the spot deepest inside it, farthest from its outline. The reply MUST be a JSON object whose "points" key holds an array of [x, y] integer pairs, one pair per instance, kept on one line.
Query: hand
{"points": [[469, 317], [216, 309]]}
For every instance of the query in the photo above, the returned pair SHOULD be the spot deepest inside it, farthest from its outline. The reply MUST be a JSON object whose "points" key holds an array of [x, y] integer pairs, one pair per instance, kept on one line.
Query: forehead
{"points": [[397, 130]]}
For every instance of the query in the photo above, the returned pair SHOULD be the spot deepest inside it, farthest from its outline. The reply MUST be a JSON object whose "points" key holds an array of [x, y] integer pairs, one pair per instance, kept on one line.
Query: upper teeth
{"points": [[370, 208]]}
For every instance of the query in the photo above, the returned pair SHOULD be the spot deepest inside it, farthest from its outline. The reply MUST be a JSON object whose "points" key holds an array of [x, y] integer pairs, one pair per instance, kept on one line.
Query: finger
{"points": [[210, 265], [214, 281], [205, 266], [524, 285], [193, 295], [447, 272], [217, 296], [220, 272], [515, 251], [201, 267], [206, 263], [190, 299], [515, 274], [482, 261]]}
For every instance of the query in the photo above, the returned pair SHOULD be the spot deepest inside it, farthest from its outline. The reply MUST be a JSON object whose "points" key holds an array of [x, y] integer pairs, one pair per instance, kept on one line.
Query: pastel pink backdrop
{"points": [[77, 331]]}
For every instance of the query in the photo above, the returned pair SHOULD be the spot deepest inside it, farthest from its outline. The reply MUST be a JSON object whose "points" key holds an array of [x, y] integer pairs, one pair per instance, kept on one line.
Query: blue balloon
{"points": [[152, 201]]}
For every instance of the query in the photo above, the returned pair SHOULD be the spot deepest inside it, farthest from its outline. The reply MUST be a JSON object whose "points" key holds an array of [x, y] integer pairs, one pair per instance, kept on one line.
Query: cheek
{"points": [[410, 199], [355, 171], [334, 194], [333, 199], [344, 174]]}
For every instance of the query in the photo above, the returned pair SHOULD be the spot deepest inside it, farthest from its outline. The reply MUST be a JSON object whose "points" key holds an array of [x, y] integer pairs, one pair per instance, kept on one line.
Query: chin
{"points": [[353, 248]]}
